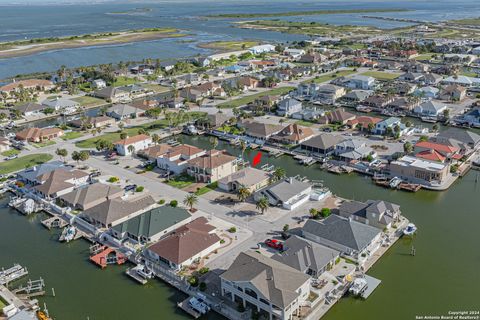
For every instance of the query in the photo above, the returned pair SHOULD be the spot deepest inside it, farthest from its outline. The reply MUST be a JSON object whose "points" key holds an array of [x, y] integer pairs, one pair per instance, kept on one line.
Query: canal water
{"points": [[442, 276]]}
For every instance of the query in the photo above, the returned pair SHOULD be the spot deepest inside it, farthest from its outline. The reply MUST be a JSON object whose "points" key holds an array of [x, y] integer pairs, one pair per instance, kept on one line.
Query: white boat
{"points": [[395, 182], [143, 271], [359, 285], [410, 229], [70, 234]]}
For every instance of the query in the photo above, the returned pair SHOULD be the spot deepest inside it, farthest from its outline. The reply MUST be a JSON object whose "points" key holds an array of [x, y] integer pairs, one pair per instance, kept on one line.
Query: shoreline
{"points": [[303, 13], [119, 38]]}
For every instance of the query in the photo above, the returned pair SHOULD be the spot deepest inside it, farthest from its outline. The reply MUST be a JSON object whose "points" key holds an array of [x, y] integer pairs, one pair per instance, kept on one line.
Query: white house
{"points": [[176, 158], [427, 92], [262, 48], [61, 104], [99, 84], [392, 122], [138, 142], [288, 106], [430, 109], [361, 82]]}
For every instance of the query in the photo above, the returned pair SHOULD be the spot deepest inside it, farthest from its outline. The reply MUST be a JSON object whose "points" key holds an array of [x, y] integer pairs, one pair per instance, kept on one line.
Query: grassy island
{"points": [[301, 13]]}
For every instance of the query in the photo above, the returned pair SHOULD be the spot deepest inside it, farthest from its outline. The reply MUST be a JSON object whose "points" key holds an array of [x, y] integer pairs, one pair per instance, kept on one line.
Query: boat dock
{"points": [[103, 256], [372, 284], [11, 274], [54, 222], [186, 307], [272, 152], [132, 273]]}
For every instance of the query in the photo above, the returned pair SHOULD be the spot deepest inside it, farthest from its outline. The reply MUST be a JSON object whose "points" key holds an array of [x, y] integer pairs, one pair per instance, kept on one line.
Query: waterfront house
{"points": [[293, 134], [353, 149], [288, 106], [463, 139], [112, 212], [329, 93], [427, 92], [289, 193], [361, 82], [112, 94], [4, 144], [153, 152], [381, 127], [90, 195], [31, 175], [417, 170], [175, 159], [61, 104], [38, 134], [435, 151], [59, 181], [185, 245], [250, 178], [472, 117], [338, 116], [403, 104], [259, 130], [453, 93], [323, 144], [376, 213], [138, 142], [355, 96], [151, 225], [37, 85], [430, 109], [264, 48], [29, 109], [307, 256], [350, 237], [266, 285], [212, 166], [124, 111], [93, 122], [377, 101]]}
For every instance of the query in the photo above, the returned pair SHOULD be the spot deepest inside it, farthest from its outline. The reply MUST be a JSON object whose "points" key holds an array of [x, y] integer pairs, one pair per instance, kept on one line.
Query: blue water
{"points": [[24, 22]]}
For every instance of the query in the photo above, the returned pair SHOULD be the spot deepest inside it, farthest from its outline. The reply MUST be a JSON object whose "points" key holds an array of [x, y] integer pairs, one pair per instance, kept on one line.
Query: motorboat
{"points": [[358, 287], [70, 233], [410, 229], [143, 271], [395, 182]]}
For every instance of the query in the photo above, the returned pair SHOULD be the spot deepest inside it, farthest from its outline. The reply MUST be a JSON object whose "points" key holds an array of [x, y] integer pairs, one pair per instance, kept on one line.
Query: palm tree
{"points": [[214, 142], [243, 194], [155, 138], [190, 200], [131, 149], [262, 204], [243, 145], [62, 153], [279, 173], [121, 125], [313, 213]]}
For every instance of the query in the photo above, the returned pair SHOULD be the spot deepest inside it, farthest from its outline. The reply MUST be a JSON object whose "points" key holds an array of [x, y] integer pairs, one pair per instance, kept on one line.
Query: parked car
{"points": [[275, 244], [95, 174], [130, 187], [11, 157]]}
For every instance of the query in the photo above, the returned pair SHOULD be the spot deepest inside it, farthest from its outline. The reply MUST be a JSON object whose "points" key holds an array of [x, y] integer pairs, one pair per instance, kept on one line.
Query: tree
{"points": [[190, 200], [325, 212], [286, 227], [435, 127], [80, 156], [62, 153], [262, 204], [446, 113], [279, 174], [121, 125], [407, 147], [155, 138], [123, 135], [243, 194], [243, 145], [371, 126], [214, 142], [313, 213], [131, 149]]}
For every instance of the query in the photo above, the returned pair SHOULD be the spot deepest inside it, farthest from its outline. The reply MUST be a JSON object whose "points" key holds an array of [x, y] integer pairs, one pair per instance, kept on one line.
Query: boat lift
{"points": [[33, 288]]}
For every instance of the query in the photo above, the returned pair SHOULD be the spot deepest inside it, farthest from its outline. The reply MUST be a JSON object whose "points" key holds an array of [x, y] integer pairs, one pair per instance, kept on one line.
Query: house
{"points": [[144, 104], [435, 151], [293, 134], [202, 62], [59, 181], [99, 84], [38, 135], [59, 104], [250, 178], [453, 92], [288, 193], [176, 103], [355, 96], [364, 123], [361, 82], [404, 88], [377, 101], [376, 213], [323, 144], [288, 106], [38, 85], [273, 288], [133, 144], [294, 53], [4, 144], [312, 57], [352, 149], [463, 81], [94, 122], [31, 175], [212, 166], [259, 130], [431, 79], [214, 120], [124, 111], [411, 76], [430, 109], [247, 83], [264, 48], [463, 139], [472, 118], [338, 115], [345, 235], [329, 93], [30, 108], [185, 244], [151, 225], [309, 114], [403, 104], [134, 90], [90, 196], [418, 170], [307, 256], [381, 127], [175, 159], [427, 92], [112, 94], [113, 212]]}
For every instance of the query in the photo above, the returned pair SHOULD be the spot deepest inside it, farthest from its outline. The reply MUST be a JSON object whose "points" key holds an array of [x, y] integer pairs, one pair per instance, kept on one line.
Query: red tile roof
{"points": [[431, 155], [436, 146], [132, 140]]}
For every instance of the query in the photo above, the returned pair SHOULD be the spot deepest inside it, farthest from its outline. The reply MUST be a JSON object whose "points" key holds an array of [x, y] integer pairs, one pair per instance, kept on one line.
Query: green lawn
{"points": [[181, 181], [2, 304], [24, 162], [230, 45], [304, 123], [425, 56], [72, 135], [123, 81], [381, 75], [10, 152], [207, 188], [331, 76], [246, 100], [87, 101], [43, 144], [156, 87]]}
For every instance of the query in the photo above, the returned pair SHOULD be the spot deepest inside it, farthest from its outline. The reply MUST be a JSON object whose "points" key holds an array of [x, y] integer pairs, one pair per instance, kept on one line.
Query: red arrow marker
{"points": [[257, 159]]}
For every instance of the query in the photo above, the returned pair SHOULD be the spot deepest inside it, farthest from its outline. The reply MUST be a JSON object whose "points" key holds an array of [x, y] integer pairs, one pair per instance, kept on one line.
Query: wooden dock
{"points": [[11, 274], [372, 284], [186, 307], [106, 255], [134, 275], [54, 222]]}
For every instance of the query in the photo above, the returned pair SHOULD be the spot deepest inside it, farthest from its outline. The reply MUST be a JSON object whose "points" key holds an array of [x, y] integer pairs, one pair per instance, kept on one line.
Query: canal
{"points": [[442, 276]]}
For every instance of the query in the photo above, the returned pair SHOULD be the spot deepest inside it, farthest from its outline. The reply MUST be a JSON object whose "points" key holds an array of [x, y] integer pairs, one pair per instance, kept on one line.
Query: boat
{"points": [[395, 182], [359, 285], [429, 119], [143, 271], [41, 315], [363, 109], [410, 229], [190, 130], [70, 234]]}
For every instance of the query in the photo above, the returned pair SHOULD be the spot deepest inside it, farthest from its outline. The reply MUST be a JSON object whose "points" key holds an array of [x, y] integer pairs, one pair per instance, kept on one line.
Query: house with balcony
{"points": [[130, 145], [377, 213], [212, 166], [288, 193], [176, 158]]}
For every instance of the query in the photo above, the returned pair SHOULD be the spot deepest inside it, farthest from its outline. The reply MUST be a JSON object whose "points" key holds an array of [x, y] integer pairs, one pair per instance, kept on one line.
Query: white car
{"points": [[11, 157]]}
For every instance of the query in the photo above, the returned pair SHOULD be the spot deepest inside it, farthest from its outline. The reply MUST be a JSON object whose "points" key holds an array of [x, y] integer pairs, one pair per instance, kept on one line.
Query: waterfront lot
{"points": [[235, 103], [24, 162], [379, 75]]}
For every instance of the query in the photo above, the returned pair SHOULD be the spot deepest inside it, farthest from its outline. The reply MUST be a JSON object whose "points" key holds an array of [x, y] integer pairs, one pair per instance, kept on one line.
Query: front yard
{"points": [[247, 99], [43, 144], [381, 75], [24, 162], [180, 181], [71, 135], [87, 101]]}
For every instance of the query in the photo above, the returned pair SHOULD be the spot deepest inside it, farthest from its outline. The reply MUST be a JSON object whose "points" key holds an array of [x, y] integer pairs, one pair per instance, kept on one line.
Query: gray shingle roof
{"points": [[323, 141], [352, 234], [36, 171], [276, 281], [288, 188], [91, 193]]}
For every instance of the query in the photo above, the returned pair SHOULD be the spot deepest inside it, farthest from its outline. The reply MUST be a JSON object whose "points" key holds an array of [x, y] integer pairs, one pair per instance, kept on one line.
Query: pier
{"points": [[11, 274], [186, 307], [132, 273], [54, 222], [372, 284], [103, 256]]}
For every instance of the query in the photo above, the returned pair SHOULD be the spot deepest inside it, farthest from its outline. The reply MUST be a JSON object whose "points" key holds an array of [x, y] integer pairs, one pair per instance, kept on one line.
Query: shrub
{"points": [[173, 203], [204, 270], [193, 281], [454, 168], [232, 230], [113, 179], [139, 189], [203, 286], [222, 241], [325, 212], [161, 201]]}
